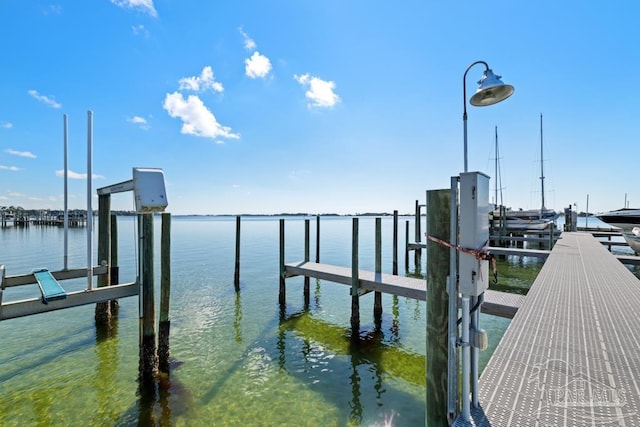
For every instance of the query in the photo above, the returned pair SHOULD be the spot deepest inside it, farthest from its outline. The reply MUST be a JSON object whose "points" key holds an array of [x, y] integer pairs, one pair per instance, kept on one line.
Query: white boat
{"points": [[626, 218], [633, 239], [531, 219]]}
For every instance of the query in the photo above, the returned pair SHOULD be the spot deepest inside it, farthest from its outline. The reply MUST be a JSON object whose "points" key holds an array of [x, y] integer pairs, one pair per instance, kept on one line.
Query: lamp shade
{"points": [[491, 90]]}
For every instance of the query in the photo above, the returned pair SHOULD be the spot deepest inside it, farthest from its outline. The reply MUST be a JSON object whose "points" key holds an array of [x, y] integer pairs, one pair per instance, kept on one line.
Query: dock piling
{"points": [[438, 225], [114, 270], [377, 301], [283, 288], [164, 326], [355, 297], [148, 353], [103, 309], [236, 274], [306, 259]]}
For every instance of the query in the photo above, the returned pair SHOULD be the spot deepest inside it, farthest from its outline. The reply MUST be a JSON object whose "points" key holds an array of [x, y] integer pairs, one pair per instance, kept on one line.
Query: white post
{"points": [[66, 195], [475, 353], [466, 410], [89, 204]]}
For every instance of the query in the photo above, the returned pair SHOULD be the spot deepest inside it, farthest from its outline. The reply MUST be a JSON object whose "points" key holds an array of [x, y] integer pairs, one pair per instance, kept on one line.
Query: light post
{"points": [[472, 230], [491, 91]]}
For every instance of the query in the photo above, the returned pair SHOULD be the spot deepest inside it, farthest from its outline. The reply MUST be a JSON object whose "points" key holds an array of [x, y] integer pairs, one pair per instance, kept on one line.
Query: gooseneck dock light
{"points": [[470, 271], [491, 91]]}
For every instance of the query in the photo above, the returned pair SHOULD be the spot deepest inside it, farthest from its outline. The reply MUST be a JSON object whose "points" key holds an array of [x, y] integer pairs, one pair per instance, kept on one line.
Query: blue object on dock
{"points": [[49, 286]]}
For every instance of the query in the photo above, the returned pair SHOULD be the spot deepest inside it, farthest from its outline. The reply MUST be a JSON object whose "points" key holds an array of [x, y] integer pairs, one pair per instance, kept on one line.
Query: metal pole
{"points": [[464, 102], [587, 217], [89, 204], [466, 410], [66, 195]]}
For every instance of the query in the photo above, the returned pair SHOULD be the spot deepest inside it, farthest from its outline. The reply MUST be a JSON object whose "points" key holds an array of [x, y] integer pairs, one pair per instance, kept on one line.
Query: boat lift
{"points": [[150, 196]]}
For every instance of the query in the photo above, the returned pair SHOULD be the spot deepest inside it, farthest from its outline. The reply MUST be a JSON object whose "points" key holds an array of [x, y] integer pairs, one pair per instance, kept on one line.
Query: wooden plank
{"points": [[571, 355], [13, 309], [496, 303]]}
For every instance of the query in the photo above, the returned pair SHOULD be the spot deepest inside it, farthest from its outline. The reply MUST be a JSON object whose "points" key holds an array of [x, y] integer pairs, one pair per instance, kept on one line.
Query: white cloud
{"points": [[27, 154], [205, 81], [9, 168], [139, 121], [249, 44], [6, 125], [44, 99], [145, 6], [76, 175], [140, 30], [257, 66], [320, 92], [53, 9], [196, 118]]}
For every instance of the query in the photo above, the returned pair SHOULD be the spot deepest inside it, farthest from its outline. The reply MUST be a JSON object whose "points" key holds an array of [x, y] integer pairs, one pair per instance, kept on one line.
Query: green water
{"points": [[235, 359]]}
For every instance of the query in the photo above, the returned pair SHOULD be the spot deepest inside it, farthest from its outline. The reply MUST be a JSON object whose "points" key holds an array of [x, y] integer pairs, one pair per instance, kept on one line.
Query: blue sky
{"points": [[332, 106]]}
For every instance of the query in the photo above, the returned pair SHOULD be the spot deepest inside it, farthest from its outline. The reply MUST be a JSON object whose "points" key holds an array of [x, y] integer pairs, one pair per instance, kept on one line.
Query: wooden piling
{"points": [[438, 225], [114, 269], [317, 238], [306, 259], [355, 297], [164, 325], [417, 252], [377, 300], [395, 243], [282, 293], [103, 309], [148, 354], [406, 246], [236, 275]]}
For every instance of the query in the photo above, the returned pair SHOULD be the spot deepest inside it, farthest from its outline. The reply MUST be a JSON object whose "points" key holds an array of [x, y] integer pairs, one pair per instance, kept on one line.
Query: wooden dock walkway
{"points": [[571, 355], [496, 303]]}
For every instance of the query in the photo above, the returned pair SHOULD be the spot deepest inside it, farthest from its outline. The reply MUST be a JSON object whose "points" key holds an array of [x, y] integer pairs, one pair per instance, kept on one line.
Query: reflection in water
{"points": [[370, 358], [237, 319], [164, 402], [395, 324], [107, 357], [356, 408]]}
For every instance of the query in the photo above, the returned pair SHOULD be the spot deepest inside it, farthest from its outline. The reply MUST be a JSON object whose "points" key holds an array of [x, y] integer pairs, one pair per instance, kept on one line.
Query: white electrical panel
{"points": [[149, 190], [474, 232]]}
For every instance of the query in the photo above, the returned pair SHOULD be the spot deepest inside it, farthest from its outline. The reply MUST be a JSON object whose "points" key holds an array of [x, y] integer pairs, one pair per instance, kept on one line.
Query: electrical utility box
{"points": [[474, 232], [149, 190]]}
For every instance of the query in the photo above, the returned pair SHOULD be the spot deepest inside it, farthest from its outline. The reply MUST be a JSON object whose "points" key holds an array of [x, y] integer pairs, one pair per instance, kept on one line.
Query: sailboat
{"points": [[532, 219]]}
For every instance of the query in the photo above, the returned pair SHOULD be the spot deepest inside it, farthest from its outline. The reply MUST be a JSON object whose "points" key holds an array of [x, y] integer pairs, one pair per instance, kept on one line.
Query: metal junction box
{"points": [[149, 190], [474, 232]]}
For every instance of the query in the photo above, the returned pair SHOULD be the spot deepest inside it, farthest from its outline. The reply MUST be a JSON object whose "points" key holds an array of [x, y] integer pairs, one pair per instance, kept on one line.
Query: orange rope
{"points": [[479, 254]]}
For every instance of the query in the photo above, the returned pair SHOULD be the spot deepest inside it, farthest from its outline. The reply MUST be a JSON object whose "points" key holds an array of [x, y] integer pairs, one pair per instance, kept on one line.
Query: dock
{"points": [[495, 303], [571, 355]]}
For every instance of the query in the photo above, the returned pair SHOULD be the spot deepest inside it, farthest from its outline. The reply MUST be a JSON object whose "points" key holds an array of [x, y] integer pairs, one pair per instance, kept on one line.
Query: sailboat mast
{"points": [[541, 167], [496, 177]]}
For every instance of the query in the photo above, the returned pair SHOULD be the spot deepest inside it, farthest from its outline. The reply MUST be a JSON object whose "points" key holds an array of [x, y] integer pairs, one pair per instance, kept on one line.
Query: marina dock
{"points": [[571, 355]]}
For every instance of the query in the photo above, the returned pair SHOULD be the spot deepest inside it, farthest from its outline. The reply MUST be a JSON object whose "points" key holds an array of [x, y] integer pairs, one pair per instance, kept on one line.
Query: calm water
{"points": [[236, 361]]}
